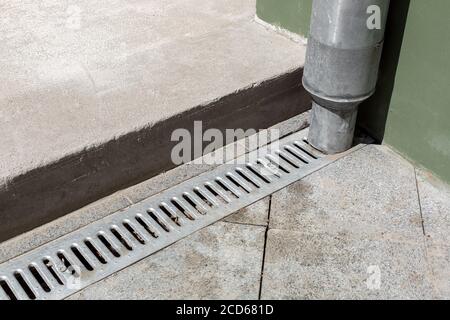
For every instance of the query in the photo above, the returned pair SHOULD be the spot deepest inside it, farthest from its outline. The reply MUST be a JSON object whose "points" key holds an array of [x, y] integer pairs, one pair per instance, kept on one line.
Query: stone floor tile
{"points": [[222, 261], [439, 259], [256, 214], [324, 266], [370, 192]]}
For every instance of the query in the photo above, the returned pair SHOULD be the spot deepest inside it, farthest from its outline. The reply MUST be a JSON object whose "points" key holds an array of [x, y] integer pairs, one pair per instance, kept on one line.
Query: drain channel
{"points": [[85, 256]]}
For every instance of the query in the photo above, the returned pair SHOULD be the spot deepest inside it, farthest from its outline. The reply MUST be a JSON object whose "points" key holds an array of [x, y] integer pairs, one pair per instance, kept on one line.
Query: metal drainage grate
{"points": [[70, 263]]}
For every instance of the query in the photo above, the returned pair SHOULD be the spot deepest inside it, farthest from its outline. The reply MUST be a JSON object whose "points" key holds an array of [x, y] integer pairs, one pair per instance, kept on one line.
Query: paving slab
{"points": [[256, 214], [300, 265], [435, 203], [439, 260], [92, 91], [222, 261], [371, 192]]}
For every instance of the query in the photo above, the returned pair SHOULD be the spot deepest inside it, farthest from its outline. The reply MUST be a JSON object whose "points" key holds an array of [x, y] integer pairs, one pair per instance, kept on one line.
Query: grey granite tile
{"points": [[370, 192], [439, 260], [255, 214], [222, 261], [324, 266]]}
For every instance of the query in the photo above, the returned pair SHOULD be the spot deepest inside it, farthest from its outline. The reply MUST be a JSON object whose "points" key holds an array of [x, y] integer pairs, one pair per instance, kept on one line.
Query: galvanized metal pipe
{"points": [[341, 69]]}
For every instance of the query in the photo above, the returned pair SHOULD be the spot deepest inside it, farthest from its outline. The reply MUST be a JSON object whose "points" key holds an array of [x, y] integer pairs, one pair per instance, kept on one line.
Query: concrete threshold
{"points": [[89, 111]]}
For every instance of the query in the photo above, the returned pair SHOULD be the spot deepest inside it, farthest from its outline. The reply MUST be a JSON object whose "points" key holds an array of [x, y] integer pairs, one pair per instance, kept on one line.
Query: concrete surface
{"points": [[91, 93]]}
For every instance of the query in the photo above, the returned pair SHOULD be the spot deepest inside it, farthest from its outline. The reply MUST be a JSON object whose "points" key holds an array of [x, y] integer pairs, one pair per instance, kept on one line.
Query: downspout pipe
{"points": [[341, 68]]}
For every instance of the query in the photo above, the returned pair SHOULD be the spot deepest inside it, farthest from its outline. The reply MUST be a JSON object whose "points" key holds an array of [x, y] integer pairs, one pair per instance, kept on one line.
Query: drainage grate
{"points": [[70, 263]]}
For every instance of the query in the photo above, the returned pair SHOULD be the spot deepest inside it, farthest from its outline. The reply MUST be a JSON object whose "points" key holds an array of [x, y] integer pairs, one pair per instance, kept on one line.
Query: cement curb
{"points": [[51, 191]]}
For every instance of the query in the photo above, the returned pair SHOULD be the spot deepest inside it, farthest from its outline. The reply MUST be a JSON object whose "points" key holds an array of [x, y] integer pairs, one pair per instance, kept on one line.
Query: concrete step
{"points": [[91, 94]]}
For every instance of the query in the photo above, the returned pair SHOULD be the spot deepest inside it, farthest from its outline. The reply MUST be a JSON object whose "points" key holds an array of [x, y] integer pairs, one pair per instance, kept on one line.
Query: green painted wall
{"points": [[419, 115], [411, 108], [293, 15]]}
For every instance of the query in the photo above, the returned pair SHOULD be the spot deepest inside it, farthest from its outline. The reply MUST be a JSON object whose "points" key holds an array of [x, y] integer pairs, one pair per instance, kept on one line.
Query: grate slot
{"points": [[96, 251], [269, 174], [34, 284], [269, 167], [17, 289], [134, 232], [277, 163], [53, 272], [227, 187], [7, 293], [206, 197], [254, 170], [161, 223], [91, 257], [147, 225], [296, 154], [40, 277], [123, 239], [127, 236], [195, 202], [81, 256], [247, 177], [316, 154], [185, 208], [169, 212], [68, 265], [109, 244], [306, 149], [25, 284], [288, 159], [217, 192], [238, 182]]}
